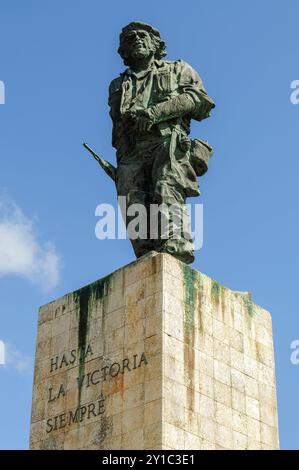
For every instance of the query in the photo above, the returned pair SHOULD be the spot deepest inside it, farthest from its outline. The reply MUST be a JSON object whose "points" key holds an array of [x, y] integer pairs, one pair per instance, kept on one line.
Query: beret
{"points": [[139, 25]]}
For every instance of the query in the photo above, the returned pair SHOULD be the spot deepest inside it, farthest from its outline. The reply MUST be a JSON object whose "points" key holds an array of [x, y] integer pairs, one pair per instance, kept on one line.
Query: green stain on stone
{"points": [[81, 298], [190, 287], [100, 288], [215, 291], [249, 306], [218, 294], [85, 299]]}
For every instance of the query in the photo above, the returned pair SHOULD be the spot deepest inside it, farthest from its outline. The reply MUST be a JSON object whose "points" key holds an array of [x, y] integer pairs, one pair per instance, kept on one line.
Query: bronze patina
{"points": [[152, 104]]}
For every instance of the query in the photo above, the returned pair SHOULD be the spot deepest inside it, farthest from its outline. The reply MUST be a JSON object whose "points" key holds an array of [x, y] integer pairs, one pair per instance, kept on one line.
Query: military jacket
{"points": [[161, 82]]}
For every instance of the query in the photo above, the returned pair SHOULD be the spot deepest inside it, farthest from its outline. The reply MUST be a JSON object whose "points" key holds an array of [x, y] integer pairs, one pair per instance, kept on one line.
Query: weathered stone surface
{"points": [[154, 356]]}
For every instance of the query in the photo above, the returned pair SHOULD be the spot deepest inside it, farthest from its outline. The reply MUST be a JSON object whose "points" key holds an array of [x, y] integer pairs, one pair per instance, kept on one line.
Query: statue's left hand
{"points": [[144, 121]]}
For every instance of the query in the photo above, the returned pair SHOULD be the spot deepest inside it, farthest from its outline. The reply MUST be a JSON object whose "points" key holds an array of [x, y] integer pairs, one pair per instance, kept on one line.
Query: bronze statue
{"points": [[151, 105]]}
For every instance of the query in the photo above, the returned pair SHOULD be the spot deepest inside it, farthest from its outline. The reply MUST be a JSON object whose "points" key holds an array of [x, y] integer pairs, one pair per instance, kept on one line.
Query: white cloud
{"points": [[21, 253], [2, 352], [22, 363]]}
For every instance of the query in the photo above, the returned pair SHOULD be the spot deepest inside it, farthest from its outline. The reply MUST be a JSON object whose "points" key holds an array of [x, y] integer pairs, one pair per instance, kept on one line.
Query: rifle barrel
{"points": [[91, 151], [107, 167]]}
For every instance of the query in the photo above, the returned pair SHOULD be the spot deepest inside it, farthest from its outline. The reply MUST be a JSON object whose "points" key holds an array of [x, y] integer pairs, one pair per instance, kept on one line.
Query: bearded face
{"points": [[137, 45]]}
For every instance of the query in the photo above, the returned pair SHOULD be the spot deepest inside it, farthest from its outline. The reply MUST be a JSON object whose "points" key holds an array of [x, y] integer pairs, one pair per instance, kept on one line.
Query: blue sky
{"points": [[56, 61]]}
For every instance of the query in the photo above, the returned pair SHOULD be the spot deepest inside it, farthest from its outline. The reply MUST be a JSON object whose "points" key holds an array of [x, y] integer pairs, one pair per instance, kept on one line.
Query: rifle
{"points": [[107, 167]]}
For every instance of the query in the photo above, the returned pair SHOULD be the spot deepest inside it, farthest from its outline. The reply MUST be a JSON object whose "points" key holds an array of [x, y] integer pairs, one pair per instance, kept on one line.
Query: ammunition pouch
{"points": [[200, 154]]}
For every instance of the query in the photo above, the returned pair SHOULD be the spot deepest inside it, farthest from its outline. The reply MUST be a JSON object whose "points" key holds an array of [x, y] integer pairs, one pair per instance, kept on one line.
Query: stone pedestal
{"points": [[154, 356]]}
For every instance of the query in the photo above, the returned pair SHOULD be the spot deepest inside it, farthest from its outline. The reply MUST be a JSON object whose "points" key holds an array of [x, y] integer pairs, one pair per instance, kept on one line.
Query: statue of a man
{"points": [[151, 105]]}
